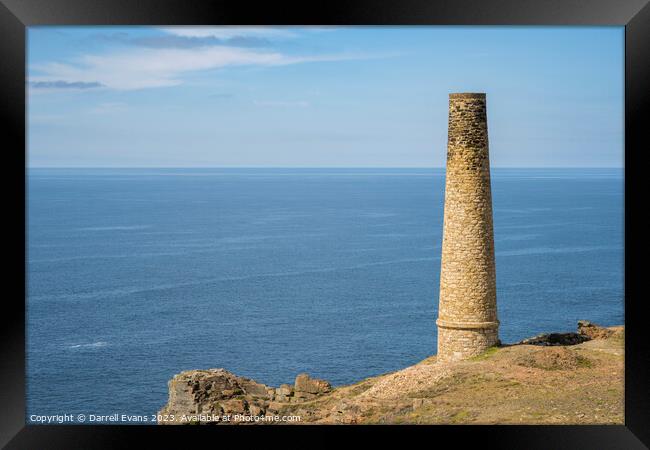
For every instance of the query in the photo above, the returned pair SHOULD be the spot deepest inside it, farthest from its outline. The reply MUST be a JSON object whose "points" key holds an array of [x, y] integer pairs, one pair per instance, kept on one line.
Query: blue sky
{"points": [[320, 96]]}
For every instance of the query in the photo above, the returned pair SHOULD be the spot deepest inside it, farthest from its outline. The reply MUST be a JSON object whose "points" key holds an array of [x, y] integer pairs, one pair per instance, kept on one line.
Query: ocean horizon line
{"points": [[322, 167]]}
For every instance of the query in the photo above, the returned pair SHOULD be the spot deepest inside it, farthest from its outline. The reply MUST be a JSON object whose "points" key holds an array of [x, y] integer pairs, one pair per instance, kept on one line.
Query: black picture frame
{"points": [[16, 15]]}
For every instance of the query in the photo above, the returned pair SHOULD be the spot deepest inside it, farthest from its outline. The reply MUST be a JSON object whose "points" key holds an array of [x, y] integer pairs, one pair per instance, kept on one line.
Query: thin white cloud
{"points": [[59, 84], [150, 68], [228, 32]]}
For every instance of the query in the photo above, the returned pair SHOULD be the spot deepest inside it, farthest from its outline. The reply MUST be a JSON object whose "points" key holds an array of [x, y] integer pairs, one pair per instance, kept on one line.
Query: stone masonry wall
{"points": [[461, 343], [467, 315]]}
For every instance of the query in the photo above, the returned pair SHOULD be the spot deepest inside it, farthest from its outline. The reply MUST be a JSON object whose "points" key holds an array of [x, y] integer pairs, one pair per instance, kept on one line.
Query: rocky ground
{"points": [[558, 378]]}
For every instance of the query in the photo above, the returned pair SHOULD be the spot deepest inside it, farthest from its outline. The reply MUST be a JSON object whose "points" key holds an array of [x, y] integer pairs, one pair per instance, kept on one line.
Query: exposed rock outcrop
{"points": [[586, 331], [216, 395], [555, 339], [593, 331], [306, 385]]}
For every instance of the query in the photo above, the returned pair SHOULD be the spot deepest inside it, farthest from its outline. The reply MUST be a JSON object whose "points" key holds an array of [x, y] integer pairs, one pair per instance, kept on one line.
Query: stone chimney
{"points": [[467, 313]]}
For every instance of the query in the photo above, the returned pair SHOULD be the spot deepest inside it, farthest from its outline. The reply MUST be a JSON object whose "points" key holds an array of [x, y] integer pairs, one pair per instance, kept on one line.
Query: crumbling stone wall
{"points": [[467, 315]]}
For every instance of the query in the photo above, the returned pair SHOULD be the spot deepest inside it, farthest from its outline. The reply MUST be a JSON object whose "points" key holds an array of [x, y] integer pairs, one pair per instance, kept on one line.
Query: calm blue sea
{"points": [[135, 275]]}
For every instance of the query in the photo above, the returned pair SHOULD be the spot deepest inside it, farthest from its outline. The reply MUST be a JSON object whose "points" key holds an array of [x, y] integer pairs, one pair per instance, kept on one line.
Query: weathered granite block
{"points": [[305, 384]]}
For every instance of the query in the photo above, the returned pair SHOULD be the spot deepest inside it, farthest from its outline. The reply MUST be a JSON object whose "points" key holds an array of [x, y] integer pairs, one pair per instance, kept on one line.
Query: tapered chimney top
{"points": [[467, 95]]}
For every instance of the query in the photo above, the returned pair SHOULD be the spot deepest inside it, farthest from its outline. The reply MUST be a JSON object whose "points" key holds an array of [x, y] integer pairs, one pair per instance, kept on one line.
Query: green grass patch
{"points": [[460, 416], [486, 354], [581, 361]]}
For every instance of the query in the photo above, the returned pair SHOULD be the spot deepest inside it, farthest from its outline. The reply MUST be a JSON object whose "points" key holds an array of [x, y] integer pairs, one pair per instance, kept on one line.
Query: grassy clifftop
{"points": [[517, 384], [520, 384]]}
